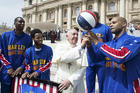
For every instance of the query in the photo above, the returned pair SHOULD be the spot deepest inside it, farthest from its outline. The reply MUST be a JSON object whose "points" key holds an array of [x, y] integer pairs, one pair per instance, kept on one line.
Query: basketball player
{"points": [[38, 58]]}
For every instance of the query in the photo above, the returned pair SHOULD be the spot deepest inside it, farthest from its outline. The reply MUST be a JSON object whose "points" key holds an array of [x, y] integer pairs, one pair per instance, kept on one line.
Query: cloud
{"points": [[10, 9]]}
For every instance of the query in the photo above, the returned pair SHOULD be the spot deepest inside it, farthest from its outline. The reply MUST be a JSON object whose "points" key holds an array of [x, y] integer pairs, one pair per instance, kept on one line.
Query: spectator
{"points": [[28, 30], [53, 37]]}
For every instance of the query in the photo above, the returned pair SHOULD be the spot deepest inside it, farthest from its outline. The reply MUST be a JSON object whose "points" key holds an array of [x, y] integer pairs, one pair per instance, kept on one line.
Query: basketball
{"points": [[86, 20]]}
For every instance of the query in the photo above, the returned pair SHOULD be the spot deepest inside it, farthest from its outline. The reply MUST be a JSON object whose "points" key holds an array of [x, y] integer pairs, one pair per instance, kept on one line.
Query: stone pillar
{"points": [[122, 8], [60, 16], [56, 15], [36, 17], [84, 5], [130, 7], [127, 9], [26, 19], [102, 12], [33, 18], [130, 4], [139, 3], [69, 17], [44, 16], [95, 5]]}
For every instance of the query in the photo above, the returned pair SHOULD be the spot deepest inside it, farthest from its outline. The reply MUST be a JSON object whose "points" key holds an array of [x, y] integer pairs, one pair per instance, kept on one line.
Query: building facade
{"points": [[64, 12]]}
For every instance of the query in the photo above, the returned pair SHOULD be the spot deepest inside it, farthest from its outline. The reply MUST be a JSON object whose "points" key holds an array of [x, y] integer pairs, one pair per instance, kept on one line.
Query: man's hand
{"points": [[64, 85], [93, 38], [85, 41], [17, 72], [25, 75], [10, 71], [34, 75]]}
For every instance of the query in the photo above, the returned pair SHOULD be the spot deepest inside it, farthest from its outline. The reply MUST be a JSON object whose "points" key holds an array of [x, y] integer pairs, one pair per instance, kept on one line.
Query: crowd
{"points": [[52, 34], [115, 60]]}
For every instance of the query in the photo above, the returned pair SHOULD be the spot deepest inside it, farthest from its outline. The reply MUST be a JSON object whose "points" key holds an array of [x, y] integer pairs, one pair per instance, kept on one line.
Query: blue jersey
{"points": [[96, 62], [39, 61], [0, 54], [14, 47], [3, 60], [122, 63], [102, 31]]}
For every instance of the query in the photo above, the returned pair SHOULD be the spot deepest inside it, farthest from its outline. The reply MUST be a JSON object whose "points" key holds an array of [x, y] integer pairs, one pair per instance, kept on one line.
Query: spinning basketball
{"points": [[86, 20]]}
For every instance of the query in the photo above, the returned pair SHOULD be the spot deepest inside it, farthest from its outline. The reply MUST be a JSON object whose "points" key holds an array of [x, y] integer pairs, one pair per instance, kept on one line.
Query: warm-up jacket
{"points": [[39, 61], [13, 48], [122, 63]]}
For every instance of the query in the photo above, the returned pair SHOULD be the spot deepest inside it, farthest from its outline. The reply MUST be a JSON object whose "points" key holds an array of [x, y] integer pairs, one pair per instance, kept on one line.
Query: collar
{"points": [[70, 45], [122, 36], [18, 35], [38, 49]]}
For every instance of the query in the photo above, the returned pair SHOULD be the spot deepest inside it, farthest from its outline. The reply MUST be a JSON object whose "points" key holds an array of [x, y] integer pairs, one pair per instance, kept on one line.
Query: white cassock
{"points": [[70, 65]]}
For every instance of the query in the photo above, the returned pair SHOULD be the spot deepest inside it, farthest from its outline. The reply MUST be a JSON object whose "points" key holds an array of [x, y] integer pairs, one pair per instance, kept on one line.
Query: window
{"points": [[135, 3], [30, 2], [65, 23], [74, 21], [77, 10], [111, 6], [40, 18], [90, 7], [29, 18], [51, 15], [65, 12]]}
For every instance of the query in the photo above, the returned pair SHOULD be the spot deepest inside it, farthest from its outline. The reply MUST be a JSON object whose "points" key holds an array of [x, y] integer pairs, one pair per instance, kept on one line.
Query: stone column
{"points": [[95, 5], [44, 16], [26, 18], [127, 9], [33, 18], [84, 5], [139, 3], [130, 4], [102, 12], [60, 16], [122, 8], [56, 15], [69, 17]]}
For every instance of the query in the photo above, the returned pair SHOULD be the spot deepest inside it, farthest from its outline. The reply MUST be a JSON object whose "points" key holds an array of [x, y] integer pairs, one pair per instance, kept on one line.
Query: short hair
{"points": [[122, 19], [76, 28], [97, 15], [69, 30], [33, 32], [17, 18]]}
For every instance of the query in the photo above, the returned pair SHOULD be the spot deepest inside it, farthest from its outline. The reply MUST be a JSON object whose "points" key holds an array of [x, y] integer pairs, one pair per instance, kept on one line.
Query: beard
{"points": [[117, 31]]}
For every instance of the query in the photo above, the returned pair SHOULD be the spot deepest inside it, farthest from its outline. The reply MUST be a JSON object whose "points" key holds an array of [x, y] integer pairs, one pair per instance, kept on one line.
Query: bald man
{"points": [[122, 56], [68, 58]]}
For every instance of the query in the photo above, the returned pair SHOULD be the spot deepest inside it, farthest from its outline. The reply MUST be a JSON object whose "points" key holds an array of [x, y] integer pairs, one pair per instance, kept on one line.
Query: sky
{"points": [[9, 10]]}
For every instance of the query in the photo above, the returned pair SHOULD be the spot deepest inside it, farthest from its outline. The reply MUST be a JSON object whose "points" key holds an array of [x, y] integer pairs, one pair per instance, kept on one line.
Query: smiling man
{"points": [[14, 44], [38, 58], [68, 58]]}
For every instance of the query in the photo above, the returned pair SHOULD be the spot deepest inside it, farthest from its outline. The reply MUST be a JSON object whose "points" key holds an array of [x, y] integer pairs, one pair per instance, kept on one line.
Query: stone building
{"points": [[64, 12]]}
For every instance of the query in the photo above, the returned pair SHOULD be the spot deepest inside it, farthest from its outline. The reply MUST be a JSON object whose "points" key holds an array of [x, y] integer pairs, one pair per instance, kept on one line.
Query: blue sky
{"points": [[9, 10]]}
